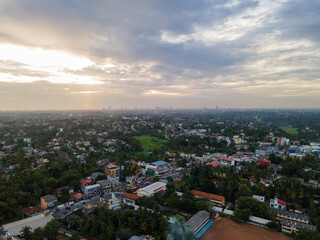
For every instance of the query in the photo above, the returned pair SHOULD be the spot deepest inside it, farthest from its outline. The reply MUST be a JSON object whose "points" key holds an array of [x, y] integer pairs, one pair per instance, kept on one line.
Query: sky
{"points": [[80, 54]]}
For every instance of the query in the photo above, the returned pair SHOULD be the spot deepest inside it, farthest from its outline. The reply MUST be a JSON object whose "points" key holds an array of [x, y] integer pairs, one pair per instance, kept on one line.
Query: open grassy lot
{"points": [[227, 229], [149, 143], [290, 130]]}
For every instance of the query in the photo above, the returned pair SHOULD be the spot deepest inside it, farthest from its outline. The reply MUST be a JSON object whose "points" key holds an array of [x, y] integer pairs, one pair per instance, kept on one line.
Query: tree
{"points": [[243, 214], [244, 191], [306, 234], [26, 233], [273, 225], [37, 234], [51, 230]]}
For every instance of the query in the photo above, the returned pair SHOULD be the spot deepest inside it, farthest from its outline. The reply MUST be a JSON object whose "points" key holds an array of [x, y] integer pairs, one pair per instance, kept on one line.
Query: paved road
{"points": [[68, 209]]}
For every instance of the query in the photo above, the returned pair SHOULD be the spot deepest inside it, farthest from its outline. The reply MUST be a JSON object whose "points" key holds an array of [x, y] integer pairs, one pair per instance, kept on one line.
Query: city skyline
{"points": [[64, 55]]}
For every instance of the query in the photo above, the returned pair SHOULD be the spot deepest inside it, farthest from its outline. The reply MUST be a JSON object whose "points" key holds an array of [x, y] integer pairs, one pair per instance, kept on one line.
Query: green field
{"points": [[259, 120], [149, 143], [290, 130]]}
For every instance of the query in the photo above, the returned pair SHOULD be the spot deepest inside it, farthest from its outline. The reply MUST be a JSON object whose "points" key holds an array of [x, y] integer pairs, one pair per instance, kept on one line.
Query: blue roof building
{"points": [[158, 163]]}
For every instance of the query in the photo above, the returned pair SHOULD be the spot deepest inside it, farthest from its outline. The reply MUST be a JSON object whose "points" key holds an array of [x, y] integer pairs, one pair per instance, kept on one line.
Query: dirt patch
{"points": [[227, 229]]}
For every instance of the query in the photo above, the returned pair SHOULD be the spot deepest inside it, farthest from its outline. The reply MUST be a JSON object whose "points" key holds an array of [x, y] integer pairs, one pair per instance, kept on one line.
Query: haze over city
{"points": [[185, 54]]}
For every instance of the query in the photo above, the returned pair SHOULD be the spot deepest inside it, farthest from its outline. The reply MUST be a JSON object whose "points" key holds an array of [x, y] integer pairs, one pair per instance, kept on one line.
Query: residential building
{"points": [[85, 182], [278, 204], [113, 202], [226, 161], [259, 198], [91, 190], [105, 185], [288, 226], [152, 189], [77, 196], [48, 201], [291, 216], [112, 170], [159, 167], [217, 199], [130, 198]]}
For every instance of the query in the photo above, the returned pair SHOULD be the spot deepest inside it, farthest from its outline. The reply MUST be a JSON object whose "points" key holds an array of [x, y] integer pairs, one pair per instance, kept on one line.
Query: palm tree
{"points": [[26, 233]]}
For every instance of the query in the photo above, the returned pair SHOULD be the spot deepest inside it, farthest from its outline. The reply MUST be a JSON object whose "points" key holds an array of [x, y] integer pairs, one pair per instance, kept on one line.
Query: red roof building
{"points": [[213, 197], [264, 162], [212, 164], [31, 211], [130, 196], [77, 196], [85, 182]]}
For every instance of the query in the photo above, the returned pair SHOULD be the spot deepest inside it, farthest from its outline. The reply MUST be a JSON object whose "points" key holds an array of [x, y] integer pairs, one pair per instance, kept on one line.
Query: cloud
{"points": [[197, 51]]}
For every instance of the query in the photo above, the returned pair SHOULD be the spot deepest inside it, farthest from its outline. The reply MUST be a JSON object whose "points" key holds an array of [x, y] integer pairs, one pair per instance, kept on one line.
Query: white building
{"points": [[259, 198], [151, 189]]}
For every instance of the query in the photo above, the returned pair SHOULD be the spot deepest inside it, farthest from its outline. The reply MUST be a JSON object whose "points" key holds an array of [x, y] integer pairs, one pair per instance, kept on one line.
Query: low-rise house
{"points": [[85, 182], [217, 199], [69, 189], [151, 189], [264, 182], [48, 201], [31, 211], [130, 198], [113, 202], [96, 174], [278, 204], [77, 196], [259, 198]]}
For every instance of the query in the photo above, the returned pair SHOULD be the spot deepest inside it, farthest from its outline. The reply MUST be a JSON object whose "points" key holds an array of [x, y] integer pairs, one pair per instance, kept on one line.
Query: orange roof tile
{"points": [[207, 195]]}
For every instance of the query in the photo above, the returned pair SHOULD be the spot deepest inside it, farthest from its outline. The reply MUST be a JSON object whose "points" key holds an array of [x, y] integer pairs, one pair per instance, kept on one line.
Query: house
{"points": [[264, 182], [91, 190], [69, 189], [96, 174], [31, 211], [151, 189], [220, 200], [85, 182], [264, 162], [278, 204], [113, 202], [259, 198], [105, 185], [130, 198], [112, 170], [225, 161], [48, 201], [77, 196], [212, 164]]}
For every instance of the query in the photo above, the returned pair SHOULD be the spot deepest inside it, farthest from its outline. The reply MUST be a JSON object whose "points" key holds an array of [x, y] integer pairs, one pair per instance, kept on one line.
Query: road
{"points": [[68, 209]]}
